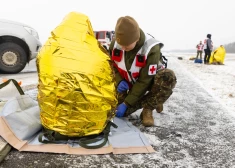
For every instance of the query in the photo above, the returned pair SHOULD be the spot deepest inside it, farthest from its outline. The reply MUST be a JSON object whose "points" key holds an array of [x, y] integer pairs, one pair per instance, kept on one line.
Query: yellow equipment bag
{"points": [[76, 90], [218, 56]]}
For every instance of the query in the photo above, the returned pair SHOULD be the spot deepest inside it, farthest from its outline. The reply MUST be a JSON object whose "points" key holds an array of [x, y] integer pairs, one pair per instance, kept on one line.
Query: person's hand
{"points": [[123, 86], [121, 109]]}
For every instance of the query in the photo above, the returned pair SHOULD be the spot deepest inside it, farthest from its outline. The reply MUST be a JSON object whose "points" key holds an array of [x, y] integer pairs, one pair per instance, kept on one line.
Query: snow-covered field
{"points": [[196, 128], [218, 80]]}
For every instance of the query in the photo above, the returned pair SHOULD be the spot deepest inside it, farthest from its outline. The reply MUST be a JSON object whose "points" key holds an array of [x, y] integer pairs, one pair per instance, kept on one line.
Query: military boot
{"points": [[159, 108], [147, 117]]}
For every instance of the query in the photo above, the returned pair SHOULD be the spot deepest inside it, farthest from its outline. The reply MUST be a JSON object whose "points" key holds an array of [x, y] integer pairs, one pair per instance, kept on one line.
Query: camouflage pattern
{"points": [[164, 82]]}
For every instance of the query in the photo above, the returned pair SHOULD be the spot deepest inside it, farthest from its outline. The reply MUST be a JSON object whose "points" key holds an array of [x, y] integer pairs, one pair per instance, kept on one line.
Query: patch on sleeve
{"points": [[152, 69]]}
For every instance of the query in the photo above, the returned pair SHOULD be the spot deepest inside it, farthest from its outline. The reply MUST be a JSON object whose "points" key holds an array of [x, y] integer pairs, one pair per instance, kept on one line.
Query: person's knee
{"points": [[170, 78], [165, 78]]}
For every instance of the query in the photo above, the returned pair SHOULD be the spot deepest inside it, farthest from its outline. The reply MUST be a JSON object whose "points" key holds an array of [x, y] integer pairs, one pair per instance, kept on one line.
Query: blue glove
{"points": [[123, 86], [121, 109]]}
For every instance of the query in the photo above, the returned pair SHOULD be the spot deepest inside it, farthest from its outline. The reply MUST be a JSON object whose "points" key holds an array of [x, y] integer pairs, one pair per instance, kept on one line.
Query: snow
{"points": [[218, 80], [196, 128]]}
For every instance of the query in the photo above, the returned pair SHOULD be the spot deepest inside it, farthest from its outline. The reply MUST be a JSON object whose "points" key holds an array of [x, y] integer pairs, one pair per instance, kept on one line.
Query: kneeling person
{"points": [[143, 81]]}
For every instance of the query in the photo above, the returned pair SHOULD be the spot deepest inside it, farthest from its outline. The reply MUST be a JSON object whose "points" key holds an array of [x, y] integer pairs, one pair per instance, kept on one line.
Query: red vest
{"points": [[200, 47], [138, 63]]}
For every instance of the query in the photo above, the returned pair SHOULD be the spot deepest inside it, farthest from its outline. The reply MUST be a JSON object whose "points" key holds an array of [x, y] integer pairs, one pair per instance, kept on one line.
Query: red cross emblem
{"points": [[152, 69]]}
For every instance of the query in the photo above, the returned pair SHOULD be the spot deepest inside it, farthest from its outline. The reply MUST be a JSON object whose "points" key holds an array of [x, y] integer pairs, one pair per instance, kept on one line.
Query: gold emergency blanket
{"points": [[218, 56], [76, 91]]}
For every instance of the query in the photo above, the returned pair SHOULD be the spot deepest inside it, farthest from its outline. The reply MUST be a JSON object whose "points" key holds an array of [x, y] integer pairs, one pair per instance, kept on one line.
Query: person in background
{"points": [[199, 50], [143, 80], [208, 47]]}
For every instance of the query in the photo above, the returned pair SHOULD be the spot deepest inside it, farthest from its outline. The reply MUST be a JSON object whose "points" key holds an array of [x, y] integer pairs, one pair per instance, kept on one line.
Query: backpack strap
{"points": [[48, 134], [15, 83], [84, 142], [164, 60], [51, 136]]}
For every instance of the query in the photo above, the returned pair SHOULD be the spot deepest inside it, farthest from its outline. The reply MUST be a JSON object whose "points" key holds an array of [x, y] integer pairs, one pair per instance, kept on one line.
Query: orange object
{"points": [[5, 80]]}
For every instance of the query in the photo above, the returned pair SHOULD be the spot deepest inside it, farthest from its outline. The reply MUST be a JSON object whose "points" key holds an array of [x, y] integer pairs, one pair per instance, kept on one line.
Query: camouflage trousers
{"points": [[161, 89]]}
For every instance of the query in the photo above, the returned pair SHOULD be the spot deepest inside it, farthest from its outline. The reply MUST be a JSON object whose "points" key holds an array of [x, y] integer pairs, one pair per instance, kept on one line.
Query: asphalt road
{"points": [[193, 131], [28, 76]]}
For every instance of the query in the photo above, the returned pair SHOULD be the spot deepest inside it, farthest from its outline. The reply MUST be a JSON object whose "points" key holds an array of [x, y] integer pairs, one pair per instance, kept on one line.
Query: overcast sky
{"points": [[179, 24]]}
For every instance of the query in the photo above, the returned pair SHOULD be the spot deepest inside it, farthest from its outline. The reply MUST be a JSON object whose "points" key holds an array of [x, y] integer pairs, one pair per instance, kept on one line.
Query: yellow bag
{"points": [[76, 91], [218, 55]]}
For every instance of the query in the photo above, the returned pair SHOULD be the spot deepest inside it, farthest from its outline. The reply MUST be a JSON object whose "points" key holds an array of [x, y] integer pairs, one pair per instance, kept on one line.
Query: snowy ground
{"points": [[219, 81], [196, 128]]}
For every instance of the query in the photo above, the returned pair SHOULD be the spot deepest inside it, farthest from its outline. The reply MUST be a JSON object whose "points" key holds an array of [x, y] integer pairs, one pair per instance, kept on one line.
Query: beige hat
{"points": [[127, 31]]}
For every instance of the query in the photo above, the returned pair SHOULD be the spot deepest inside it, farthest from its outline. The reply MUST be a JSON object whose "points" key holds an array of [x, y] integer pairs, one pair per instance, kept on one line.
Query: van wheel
{"points": [[12, 58]]}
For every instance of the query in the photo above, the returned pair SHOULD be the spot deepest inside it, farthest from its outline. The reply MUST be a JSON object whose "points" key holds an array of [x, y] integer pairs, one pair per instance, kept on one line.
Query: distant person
{"points": [[142, 77], [199, 52], [208, 46]]}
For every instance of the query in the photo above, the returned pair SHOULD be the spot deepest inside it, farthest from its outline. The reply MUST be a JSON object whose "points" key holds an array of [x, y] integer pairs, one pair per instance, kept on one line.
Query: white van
{"points": [[19, 43]]}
